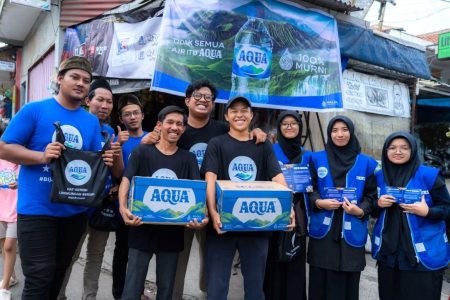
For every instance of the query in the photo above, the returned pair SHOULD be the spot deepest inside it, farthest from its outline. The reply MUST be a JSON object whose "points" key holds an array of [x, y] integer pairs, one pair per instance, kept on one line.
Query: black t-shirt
{"points": [[147, 160], [196, 139], [237, 160]]}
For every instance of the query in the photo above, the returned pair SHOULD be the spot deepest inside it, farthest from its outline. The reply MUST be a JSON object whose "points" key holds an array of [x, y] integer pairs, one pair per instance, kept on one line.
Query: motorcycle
{"points": [[439, 158]]}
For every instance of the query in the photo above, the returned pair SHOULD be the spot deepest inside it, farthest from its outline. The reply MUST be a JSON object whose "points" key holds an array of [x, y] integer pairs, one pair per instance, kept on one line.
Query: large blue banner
{"points": [[278, 55]]}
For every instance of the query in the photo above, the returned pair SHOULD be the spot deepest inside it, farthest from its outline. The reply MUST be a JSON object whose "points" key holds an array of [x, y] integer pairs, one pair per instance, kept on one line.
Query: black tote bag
{"points": [[79, 177]]}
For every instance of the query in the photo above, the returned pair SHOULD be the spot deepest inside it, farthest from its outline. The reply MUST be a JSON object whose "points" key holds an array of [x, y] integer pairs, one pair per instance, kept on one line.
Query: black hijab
{"points": [[396, 233], [399, 175], [341, 159], [291, 147]]}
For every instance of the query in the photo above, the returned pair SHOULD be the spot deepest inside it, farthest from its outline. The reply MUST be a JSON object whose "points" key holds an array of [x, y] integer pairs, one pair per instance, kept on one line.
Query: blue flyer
{"points": [[341, 193], [297, 178]]}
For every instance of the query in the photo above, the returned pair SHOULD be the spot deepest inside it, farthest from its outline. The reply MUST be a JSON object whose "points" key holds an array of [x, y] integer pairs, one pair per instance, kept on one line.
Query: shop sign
{"points": [[8, 66], [375, 95], [444, 46]]}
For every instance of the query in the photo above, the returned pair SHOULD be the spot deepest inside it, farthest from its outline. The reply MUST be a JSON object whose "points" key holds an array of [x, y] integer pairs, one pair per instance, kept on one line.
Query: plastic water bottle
{"points": [[252, 62]]}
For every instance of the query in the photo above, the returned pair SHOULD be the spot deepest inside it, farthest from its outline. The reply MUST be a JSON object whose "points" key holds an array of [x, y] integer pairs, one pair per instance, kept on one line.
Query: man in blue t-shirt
{"points": [[100, 103], [131, 114], [49, 233]]}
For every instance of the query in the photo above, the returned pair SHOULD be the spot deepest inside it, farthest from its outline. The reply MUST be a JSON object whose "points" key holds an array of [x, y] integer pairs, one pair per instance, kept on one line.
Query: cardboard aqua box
{"points": [[253, 206], [167, 201]]}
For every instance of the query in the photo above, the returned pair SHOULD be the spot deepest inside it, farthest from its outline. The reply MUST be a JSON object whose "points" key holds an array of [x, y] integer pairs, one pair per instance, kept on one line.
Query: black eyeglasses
{"points": [[199, 96]]}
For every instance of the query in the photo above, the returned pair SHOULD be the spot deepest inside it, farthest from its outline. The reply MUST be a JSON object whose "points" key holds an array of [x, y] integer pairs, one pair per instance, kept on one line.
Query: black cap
{"points": [[99, 83], [238, 98]]}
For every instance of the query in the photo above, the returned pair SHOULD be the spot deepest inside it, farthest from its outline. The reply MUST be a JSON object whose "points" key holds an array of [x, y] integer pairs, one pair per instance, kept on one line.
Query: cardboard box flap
{"points": [[253, 185]]}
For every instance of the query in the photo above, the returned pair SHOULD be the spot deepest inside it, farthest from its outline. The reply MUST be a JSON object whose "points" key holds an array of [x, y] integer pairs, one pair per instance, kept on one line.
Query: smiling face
{"points": [[172, 127], [289, 127], [399, 151], [239, 115], [340, 134], [74, 84], [101, 103], [201, 103]]}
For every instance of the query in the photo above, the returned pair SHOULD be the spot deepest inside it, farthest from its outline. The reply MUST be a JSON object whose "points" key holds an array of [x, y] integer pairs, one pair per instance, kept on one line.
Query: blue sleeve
{"points": [[22, 126], [97, 139]]}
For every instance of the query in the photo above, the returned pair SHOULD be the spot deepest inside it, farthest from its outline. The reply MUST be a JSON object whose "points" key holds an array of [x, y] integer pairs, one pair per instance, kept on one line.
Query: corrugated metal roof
{"points": [[77, 11]]}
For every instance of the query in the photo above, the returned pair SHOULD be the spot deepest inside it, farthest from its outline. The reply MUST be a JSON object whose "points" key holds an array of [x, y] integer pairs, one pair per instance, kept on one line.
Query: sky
{"points": [[415, 16]]}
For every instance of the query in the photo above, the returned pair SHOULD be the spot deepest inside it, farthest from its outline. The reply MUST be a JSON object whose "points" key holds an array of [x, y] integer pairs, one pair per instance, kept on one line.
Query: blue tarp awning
{"points": [[439, 102], [362, 44]]}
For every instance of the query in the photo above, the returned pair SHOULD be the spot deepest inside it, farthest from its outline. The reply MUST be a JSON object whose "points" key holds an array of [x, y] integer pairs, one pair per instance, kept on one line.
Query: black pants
{"points": [[120, 260], [333, 285], [285, 280], [46, 246], [408, 285]]}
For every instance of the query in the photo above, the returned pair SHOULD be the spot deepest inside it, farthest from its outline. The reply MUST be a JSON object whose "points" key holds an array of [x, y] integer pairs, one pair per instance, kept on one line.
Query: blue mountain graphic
{"points": [[78, 176], [243, 176]]}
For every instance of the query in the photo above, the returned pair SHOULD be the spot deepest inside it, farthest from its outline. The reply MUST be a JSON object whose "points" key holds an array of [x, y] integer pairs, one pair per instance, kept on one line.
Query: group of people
{"points": [[409, 239]]}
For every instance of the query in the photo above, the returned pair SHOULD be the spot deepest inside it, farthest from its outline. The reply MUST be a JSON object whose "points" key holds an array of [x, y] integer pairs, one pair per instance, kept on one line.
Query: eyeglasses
{"points": [[292, 125], [199, 96], [135, 113], [399, 149]]}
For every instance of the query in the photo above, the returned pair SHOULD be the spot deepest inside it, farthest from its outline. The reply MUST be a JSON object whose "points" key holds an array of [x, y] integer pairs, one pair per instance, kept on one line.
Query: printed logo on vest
{"points": [[322, 172], [242, 168], [78, 172], [164, 174], [168, 202], [72, 136], [199, 150], [257, 213], [7, 177]]}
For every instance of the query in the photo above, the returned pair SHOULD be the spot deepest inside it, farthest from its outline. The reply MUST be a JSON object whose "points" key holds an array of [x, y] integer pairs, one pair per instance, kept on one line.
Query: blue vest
{"points": [[354, 229], [306, 156], [428, 236]]}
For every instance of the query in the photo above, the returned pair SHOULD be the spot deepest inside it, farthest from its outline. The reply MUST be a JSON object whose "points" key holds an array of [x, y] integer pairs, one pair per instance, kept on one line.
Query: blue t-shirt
{"points": [[129, 146], [33, 128]]}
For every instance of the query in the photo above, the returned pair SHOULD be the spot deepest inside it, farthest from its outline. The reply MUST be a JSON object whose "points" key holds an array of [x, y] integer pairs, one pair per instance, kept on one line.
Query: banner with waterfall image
{"points": [[278, 55]]}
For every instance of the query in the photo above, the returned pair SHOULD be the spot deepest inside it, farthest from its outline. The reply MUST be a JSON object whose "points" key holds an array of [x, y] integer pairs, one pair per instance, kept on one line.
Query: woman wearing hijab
{"points": [[287, 279], [409, 240], [338, 225]]}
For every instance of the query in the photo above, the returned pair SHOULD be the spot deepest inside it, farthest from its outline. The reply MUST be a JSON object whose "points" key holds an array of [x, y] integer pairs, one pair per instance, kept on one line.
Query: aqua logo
{"points": [[252, 61], [172, 196], [322, 172], [78, 172], [257, 207], [257, 212], [73, 137], [242, 168], [199, 151], [169, 202], [164, 173]]}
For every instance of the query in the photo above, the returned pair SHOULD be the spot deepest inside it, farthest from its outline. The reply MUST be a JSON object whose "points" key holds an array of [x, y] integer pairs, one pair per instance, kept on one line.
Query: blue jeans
{"points": [[219, 254], [166, 266], [47, 245]]}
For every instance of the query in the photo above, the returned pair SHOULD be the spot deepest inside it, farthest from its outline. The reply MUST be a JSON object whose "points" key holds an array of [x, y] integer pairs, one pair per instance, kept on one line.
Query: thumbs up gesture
{"points": [[122, 136]]}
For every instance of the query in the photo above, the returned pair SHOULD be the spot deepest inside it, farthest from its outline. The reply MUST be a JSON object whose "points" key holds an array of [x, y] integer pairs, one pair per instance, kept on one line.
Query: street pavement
{"points": [[368, 286]]}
